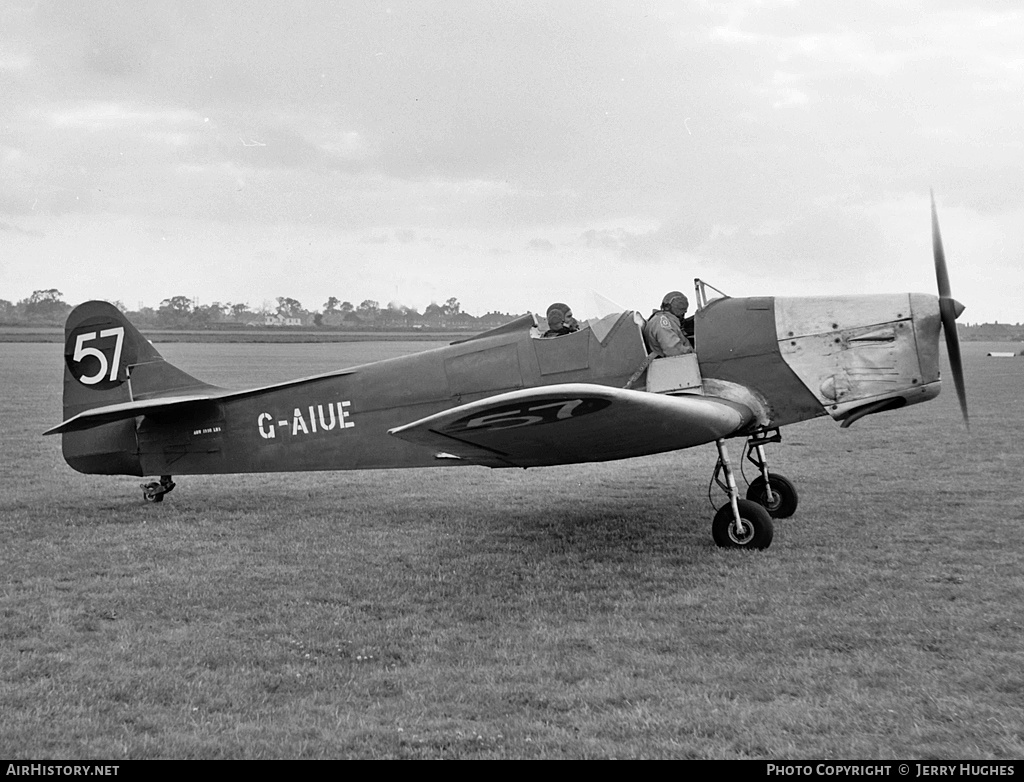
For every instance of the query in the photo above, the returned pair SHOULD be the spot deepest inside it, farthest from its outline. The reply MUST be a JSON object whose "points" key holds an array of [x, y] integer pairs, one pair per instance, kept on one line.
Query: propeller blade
{"points": [[949, 310], [941, 274]]}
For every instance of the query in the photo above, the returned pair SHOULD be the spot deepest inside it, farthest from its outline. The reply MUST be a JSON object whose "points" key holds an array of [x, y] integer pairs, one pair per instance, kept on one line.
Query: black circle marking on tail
{"points": [[98, 352]]}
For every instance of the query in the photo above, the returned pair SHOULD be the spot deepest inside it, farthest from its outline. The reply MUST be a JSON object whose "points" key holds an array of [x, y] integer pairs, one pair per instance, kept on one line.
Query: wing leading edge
{"points": [[575, 422]]}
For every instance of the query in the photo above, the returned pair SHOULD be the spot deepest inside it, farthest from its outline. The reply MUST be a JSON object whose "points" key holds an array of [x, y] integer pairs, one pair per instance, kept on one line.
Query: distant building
{"points": [[275, 320], [336, 318]]}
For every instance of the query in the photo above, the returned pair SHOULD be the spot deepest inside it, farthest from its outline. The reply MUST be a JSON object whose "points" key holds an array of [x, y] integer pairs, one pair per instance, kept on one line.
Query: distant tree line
{"points": [[47, 307], [42, 307], [991, 332]]}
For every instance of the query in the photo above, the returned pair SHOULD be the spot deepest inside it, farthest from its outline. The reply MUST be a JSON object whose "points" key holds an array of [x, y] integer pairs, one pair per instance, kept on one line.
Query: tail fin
{"points": [[108, 362]]}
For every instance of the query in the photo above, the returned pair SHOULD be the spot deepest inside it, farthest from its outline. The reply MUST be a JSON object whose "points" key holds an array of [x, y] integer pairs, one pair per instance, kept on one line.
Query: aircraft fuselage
{"points": [[800, 357]]}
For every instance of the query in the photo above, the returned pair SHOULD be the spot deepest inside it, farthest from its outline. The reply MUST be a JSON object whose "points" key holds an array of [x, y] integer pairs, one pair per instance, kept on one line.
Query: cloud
{"points": [[751, 137], [22, 231], [15, 62], [111, 116]]}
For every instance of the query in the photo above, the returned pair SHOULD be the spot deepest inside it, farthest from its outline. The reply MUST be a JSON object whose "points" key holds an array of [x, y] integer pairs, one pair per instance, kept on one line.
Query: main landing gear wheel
{"points": [[783, 501], [753, 531], [155, 490], [738, 523]]}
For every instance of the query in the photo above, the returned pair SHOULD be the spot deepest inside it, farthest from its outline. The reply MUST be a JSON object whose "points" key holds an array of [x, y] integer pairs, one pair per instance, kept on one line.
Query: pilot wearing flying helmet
{"points": [[664, 329], [560, 320]]}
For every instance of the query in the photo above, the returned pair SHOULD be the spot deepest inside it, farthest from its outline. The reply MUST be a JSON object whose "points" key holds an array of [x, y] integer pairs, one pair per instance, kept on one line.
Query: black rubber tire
{"points": [[757, 526], [786, 498], [153, 492]]}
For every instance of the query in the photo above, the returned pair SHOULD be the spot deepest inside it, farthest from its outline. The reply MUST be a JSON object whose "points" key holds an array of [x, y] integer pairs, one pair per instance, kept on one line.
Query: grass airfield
{"points": [[567, 612]]}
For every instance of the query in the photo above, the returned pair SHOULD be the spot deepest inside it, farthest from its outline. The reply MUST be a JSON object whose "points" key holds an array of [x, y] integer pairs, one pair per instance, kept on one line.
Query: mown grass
{"points": [[564, 612]]}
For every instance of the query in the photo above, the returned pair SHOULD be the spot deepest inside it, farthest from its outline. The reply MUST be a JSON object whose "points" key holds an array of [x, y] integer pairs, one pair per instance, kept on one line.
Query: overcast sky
{"points": [[509, 153]]}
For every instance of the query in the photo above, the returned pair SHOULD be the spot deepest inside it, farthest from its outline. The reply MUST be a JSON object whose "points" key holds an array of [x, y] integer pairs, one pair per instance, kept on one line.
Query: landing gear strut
{"points": [[738, 523], [772, 491], [155, 491]]}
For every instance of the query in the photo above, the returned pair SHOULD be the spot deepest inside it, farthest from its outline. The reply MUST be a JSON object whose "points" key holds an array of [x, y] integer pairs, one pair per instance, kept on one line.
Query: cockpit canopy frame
{"points": [[701, 288]]}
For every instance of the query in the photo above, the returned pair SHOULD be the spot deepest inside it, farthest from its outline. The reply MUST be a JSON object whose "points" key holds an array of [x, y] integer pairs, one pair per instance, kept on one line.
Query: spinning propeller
{"points": [[949, 311]]}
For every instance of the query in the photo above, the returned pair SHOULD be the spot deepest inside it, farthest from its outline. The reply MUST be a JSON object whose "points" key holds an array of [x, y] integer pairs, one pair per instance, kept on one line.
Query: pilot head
{"points": [[559, 314], [676, 303]]}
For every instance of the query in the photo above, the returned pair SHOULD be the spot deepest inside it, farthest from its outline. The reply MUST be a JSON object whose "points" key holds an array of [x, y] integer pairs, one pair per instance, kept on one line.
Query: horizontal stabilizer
{"points": [[97, 416], [575, 422]]}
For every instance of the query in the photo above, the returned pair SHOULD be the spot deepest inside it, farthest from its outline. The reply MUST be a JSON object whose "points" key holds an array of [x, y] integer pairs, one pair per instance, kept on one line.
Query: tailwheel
{"points": [[751, 527], [155, 490], [782, 499]]}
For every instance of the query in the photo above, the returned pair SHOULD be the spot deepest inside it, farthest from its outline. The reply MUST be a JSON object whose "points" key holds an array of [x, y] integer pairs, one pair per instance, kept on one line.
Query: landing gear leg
{"points": [[155, 491], [773, 491], [738, 523]]}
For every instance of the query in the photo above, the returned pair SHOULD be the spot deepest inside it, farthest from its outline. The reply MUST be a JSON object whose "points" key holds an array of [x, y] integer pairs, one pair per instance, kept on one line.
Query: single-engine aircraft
{"points": [[508, 398]]}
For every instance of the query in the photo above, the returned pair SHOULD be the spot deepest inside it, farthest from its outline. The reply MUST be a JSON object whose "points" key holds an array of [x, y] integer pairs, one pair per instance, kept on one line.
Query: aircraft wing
{"points": [[574, 422]]}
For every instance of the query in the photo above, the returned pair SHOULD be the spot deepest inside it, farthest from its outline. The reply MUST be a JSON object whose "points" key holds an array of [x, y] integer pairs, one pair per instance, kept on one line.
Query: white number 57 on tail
{"points": [[81, 352]]}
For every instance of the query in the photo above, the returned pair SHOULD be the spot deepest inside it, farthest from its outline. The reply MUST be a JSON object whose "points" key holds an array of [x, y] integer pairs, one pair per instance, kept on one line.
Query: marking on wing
{"points": [[520, 414]]}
